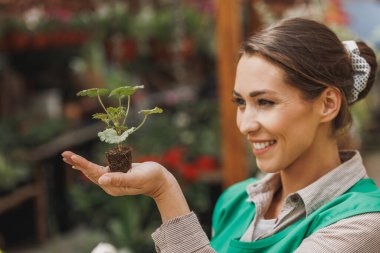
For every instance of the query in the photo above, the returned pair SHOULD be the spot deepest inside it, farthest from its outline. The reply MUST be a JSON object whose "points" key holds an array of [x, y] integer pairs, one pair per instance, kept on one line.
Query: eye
{"points": [[238, 101], [265, 102]]}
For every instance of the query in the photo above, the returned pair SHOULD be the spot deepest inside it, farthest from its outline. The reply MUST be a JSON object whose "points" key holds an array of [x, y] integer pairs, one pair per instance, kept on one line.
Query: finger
{"points": [[120, 179], [91, 170], [113, 179], [121, 191], [67, 161], [67, 157]]}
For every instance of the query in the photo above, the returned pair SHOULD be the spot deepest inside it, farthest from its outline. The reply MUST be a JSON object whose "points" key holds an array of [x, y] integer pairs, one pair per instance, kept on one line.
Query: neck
{"points": [[321, 158]]}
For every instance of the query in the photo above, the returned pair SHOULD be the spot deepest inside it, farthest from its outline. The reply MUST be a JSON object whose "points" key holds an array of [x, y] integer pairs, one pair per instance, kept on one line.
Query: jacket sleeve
{"points": [[182, 234], [359, 233]]}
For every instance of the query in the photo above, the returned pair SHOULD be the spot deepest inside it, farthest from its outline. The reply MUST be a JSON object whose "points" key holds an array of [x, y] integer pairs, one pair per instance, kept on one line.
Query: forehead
{"points": [[257, 73]]}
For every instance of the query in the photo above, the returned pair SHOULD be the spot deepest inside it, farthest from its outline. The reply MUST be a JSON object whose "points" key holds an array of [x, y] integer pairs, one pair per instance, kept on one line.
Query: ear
{"points": [[330, 103]]}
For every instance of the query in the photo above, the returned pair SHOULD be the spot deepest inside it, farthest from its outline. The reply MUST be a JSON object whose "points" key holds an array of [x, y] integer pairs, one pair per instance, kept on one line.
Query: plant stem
{"points": [[120, 114], [101, 103], [126, 114], [143, 121]]}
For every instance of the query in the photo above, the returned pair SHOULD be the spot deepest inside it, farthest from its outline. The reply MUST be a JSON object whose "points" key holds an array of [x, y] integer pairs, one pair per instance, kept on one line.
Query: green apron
{"points": [[233, 215]]}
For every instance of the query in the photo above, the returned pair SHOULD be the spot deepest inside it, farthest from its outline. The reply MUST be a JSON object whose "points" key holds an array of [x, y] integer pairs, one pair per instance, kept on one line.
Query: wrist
{"points": [[170, 200]]}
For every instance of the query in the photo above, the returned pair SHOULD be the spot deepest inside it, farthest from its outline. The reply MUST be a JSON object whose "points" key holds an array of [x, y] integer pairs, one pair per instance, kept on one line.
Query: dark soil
{"points": [[119, 159]]}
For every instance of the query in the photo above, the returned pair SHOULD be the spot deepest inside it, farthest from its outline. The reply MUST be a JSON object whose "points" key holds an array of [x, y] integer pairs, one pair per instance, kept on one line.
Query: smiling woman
{"points": [[294, 84]]}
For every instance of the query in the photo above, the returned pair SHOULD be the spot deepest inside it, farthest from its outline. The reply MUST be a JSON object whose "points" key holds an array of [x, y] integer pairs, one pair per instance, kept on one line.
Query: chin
{"points": [[267, 168]]}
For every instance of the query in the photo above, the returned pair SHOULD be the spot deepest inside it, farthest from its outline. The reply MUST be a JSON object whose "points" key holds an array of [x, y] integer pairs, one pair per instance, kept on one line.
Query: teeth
{"points": [[262, 145]]}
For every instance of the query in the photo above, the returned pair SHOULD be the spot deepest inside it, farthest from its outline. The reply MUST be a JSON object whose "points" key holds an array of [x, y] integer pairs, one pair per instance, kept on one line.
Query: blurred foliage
{"points": [[129, 221], [22, 132], [116, 17], [28, 130], [12, 172]]}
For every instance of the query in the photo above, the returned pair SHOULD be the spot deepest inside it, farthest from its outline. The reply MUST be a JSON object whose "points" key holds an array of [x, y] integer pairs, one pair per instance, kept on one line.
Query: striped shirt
{"points": [[359, 233]]}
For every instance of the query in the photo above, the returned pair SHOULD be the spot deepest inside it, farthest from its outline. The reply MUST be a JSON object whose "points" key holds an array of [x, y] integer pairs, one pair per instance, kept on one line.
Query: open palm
{"points": [[148, 178]]}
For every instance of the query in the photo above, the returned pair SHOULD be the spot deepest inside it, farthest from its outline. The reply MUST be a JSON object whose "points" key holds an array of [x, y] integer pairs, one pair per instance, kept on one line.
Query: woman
{"points": [[294, 84]]}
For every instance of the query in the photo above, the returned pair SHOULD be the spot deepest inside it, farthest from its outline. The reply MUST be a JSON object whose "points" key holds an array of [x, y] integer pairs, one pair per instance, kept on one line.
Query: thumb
{"points": [[118, 179], [104, 180]]}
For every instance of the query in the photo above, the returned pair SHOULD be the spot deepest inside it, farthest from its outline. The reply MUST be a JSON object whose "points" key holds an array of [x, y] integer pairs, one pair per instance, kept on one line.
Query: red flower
{"points": [[150, 158], [189, 172], [205, 163], [173, 157]]}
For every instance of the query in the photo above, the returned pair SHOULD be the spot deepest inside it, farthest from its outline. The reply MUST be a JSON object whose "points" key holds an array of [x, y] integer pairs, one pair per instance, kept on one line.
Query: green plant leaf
{"points": [[152, 111], [93, 92], [125, 91], [110, 135], [102, 116], [115, 110]]}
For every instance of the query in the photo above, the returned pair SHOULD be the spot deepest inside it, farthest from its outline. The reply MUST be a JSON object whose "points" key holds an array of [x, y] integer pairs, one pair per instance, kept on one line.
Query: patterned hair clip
{"points": [[360, 67]]}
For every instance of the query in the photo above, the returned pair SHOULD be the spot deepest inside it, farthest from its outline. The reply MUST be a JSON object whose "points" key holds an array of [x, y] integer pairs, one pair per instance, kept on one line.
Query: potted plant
{"points": [[117, 128]]}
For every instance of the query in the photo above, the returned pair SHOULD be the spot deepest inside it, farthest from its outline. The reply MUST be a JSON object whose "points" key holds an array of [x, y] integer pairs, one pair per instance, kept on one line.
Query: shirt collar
{"points": [[323, 190], [269, 183]]}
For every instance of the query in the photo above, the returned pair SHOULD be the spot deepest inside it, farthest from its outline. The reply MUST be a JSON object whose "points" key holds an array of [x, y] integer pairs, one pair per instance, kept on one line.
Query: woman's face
{"points": [[277, 121]]}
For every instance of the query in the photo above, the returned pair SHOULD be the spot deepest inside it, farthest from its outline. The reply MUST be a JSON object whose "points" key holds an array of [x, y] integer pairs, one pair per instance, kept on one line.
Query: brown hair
{"points": [[312, 58]]}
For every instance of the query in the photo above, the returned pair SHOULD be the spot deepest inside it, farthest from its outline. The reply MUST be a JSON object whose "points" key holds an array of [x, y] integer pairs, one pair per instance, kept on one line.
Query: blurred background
{"points": [[184, 53]]}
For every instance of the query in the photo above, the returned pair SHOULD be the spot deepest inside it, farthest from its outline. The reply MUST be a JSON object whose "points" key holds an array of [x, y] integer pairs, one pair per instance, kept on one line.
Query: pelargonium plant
{"points": [[117, 129]]}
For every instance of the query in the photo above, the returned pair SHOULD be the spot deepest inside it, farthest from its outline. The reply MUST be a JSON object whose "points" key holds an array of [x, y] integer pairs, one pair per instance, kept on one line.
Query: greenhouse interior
{"points": [[180, 56]]}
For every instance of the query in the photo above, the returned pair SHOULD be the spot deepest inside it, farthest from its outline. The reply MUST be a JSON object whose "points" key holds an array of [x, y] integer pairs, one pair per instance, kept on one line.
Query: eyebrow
{"points": [[254, 93]]}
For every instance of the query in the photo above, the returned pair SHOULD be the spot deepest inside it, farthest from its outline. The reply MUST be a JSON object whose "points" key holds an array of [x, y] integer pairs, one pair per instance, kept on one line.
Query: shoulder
{"points": [[362, 198], [354, 234]]}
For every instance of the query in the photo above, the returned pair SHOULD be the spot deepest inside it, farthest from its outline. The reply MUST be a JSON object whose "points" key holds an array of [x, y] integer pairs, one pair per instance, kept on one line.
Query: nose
{"points": [[247, 121]]}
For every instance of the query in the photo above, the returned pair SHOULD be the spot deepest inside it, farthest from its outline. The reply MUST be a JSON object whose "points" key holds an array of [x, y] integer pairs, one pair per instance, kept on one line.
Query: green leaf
{"points": [[93, 92], [125, 91], [102, 116], [152, 111], [110, 135], [115, 110]]}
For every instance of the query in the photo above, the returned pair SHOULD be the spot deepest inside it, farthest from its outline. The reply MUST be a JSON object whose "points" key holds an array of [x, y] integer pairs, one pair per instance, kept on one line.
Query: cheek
{"points": [[238, 118], [291, 125], [299, 134], [273, 122]]}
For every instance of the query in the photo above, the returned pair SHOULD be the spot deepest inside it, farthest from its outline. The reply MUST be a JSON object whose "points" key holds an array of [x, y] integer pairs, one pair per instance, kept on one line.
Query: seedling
{"points": [[117, 129]]}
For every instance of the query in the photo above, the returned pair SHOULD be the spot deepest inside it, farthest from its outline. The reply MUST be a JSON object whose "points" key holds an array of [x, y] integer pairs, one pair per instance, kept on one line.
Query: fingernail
{"points": [[104, 180], [74, 158]]}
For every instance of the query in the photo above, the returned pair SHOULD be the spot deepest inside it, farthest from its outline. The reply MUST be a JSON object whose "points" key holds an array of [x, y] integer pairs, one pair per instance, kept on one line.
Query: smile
{"points": [[261, 147]]}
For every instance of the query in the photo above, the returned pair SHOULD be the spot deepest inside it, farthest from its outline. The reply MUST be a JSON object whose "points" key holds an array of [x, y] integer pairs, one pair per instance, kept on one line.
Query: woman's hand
{"points": [[148, 178]]}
